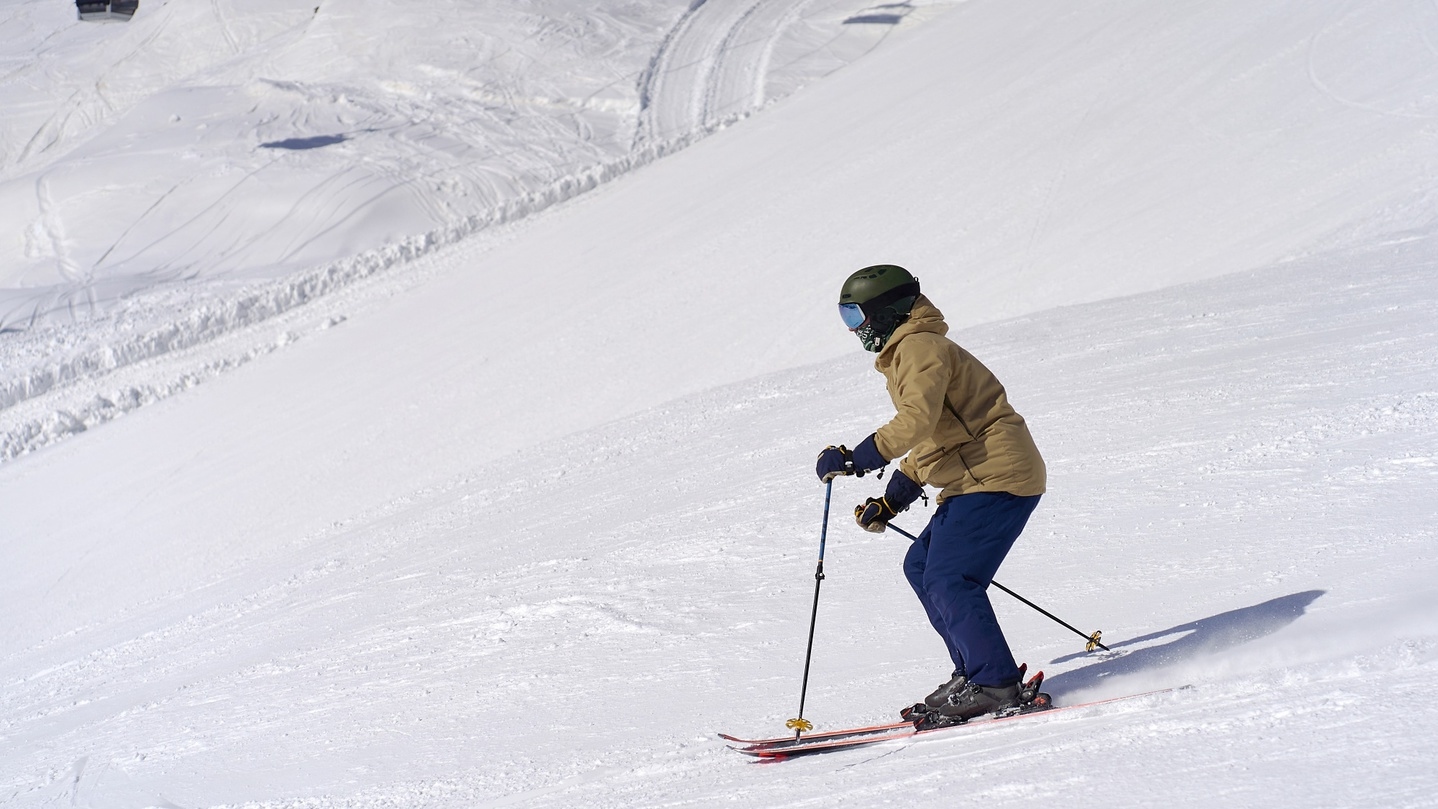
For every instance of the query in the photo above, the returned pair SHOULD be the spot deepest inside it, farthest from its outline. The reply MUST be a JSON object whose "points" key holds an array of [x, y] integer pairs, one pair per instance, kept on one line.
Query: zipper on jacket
{"points": [[923, 459]]}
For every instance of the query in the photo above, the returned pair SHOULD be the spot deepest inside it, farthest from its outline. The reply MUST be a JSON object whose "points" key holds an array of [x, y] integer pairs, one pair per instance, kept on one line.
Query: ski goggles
{"points": [[852, 315]]}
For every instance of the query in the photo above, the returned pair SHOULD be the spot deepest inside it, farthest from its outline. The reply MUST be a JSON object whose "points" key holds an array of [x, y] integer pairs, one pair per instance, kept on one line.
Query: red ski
{"points": [[1032, 700], [859, 737], [814, 737]]}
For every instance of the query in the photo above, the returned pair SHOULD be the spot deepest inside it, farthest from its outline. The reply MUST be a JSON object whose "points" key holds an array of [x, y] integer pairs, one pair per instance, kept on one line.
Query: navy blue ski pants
{"points": [[950, 567]]}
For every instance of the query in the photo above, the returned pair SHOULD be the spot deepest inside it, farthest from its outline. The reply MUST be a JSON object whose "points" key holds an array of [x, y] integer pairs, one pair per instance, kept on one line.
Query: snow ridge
{"points": [[59, 378], [98, 348]]}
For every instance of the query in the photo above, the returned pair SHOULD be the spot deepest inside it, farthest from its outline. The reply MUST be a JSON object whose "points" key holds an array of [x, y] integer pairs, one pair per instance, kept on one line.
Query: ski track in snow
{"points": [[716, 65], [1192, 435], [708, 70], [194, 239], [1241, 486]]}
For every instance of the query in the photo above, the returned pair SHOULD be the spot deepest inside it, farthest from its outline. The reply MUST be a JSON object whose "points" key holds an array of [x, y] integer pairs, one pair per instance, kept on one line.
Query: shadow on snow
{"points": [[886, 14], [316, 142], [1204, 636]]}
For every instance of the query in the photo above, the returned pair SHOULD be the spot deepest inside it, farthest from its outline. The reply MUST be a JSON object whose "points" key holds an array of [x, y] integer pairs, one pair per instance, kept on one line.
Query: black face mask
{"points": [[875, 333]]}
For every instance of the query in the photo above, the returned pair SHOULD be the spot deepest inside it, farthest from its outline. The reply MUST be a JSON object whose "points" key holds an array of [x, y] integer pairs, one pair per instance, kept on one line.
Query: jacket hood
{"points": [[924, 317]]}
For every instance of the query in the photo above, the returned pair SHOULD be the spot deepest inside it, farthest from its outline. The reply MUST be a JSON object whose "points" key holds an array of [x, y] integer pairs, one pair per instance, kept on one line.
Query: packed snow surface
{"points": [[208, 166], [441, 484]]}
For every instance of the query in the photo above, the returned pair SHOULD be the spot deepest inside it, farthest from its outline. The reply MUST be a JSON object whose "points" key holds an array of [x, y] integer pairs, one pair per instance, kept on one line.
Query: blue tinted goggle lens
{"points": [[853, 316]]}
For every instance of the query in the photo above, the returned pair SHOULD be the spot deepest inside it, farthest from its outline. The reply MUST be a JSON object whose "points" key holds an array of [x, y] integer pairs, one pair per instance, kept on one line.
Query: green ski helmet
{"points": [[875, 300]]}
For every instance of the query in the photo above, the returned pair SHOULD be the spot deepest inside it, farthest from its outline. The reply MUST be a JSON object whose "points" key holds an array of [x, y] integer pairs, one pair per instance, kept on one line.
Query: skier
{"points": [[955, 431]]}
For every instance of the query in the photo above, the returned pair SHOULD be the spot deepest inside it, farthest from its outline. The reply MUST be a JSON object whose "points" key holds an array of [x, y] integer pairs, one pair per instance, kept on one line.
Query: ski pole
{"points": [[1093, 640], [799, 724]]}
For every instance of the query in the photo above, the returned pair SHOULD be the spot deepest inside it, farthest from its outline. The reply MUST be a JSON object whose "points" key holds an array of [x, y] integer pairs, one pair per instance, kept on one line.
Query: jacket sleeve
{"points": [[921, 380]]}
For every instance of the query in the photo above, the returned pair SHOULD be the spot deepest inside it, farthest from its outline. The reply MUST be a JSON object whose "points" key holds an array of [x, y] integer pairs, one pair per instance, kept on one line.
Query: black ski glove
{"points": [[875, 513]]}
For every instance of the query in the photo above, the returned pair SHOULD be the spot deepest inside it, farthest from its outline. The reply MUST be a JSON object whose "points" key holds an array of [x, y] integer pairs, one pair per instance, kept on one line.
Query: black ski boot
{"points": [[939, 696], [929, 708], [977, 700]]}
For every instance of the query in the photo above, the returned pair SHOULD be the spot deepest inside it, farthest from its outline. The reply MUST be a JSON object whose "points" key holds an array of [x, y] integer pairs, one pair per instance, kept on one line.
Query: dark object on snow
{"points": [[111, 11], [875, 19], [315, 142]]}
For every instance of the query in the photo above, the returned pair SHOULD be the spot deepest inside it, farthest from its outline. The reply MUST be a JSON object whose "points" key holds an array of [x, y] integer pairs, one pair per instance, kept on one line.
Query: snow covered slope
{"points": [[1242, 472], [555, 476], [1018, 156], [207, 166], [231, 141]]}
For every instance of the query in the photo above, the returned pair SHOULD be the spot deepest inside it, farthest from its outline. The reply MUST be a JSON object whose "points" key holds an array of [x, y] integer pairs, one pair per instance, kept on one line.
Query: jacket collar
{"points": [[924, 317]]}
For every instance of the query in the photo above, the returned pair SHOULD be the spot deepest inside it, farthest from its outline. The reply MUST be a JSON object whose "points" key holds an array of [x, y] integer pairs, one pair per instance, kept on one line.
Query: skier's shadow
{"points": [[1204, 636]]}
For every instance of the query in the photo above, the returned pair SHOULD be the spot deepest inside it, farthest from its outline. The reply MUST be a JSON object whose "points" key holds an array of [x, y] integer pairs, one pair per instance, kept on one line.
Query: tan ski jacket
{"points": [[954, 420]]}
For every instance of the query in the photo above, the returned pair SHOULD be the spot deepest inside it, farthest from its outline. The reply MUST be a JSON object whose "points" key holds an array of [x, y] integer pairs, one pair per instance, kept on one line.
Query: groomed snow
{"points": [[206, 167], [523, 515]]}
